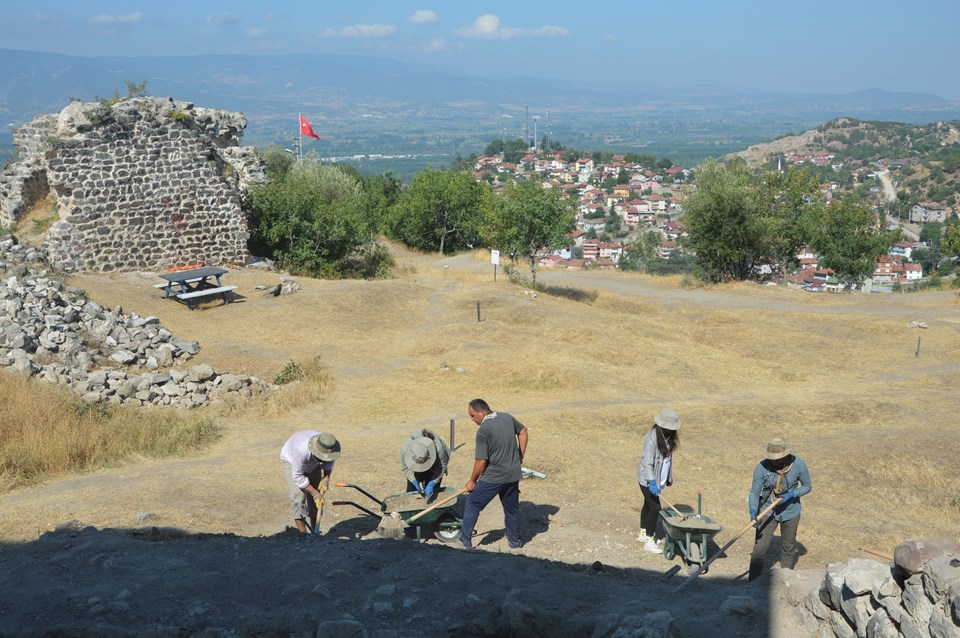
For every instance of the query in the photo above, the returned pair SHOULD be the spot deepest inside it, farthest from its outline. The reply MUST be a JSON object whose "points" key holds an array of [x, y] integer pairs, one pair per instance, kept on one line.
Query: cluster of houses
{"points": [[646, 201], [642, 199], [892, 268]]}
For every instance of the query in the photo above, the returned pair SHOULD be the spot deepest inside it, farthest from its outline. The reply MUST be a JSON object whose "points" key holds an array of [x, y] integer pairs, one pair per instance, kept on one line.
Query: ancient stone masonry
{"points": [[142, 184], [55, 333], [918, 597]]}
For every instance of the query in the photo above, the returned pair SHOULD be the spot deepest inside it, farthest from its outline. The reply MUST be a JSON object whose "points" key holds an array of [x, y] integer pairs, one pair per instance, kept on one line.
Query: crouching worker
{"points": [[306, 460], [785, 476], [423, 460]]}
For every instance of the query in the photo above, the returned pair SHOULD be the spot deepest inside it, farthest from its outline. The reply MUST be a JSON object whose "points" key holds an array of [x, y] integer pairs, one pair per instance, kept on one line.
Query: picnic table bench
{"points": [[194, 283]]}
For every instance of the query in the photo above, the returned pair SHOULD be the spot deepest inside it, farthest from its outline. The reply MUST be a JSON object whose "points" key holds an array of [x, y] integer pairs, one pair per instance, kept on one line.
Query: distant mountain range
{"points": [[347, 94], [32, 83]]}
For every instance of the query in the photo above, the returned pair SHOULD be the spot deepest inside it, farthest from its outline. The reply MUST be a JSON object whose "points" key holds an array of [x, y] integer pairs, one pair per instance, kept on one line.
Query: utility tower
{"points": [[526, 124], [547, 132]]}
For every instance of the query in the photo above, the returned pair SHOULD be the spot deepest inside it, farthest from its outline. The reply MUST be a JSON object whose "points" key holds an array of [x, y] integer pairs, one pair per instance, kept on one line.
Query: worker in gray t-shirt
{"points": [[501, 445]]}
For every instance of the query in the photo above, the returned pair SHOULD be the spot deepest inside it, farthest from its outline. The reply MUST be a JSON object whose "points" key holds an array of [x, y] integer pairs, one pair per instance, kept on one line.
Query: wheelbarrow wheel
{"points": [[695, 558], [669, 549], [447, 528]]}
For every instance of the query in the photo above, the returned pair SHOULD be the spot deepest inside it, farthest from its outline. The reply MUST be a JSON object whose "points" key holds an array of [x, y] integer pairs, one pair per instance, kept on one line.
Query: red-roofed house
{"points": [[666, 248]]}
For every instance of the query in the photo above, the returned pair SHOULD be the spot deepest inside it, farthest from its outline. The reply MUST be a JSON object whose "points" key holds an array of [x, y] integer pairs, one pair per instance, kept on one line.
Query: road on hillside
{"points": [[910, 231]]}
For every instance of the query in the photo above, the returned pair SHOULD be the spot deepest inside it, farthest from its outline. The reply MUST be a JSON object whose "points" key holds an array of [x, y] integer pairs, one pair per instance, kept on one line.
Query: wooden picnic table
{"points": [[194, 283]]}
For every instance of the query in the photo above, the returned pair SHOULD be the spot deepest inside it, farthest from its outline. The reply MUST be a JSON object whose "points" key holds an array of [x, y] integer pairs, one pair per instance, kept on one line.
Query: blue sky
{"points": [[817, 46]]}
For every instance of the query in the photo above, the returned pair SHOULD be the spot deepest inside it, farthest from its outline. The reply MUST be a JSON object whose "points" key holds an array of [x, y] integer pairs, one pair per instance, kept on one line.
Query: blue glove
{"points": [[429, 489], [654, 488], [416, 486], [787, 496], [753, 513]]}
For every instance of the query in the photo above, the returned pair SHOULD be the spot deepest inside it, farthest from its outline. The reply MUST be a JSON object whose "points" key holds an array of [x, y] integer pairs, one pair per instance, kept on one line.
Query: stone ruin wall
{"points": [[154, 183]]}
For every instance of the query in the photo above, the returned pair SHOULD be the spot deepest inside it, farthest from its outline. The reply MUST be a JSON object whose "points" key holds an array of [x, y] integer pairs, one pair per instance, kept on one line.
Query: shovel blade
{"points": [[391, 527]]}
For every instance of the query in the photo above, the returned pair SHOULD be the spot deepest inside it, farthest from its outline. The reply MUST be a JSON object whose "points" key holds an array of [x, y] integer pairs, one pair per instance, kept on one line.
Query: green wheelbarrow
{"points": [[687, 535], [441, 519]]}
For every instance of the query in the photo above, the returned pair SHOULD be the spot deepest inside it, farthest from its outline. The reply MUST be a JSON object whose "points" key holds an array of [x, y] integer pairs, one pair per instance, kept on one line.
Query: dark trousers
{"points": [[788, 544], [480, 497], [650, 514]]}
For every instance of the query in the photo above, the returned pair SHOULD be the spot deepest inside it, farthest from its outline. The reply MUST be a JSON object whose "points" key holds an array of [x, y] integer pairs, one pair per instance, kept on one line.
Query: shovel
{"points": [[668, 504], [393, 526]]}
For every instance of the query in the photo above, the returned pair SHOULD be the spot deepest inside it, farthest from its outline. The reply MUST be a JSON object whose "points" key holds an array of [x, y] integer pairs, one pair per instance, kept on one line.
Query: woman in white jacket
{"points": [[655, 473]]}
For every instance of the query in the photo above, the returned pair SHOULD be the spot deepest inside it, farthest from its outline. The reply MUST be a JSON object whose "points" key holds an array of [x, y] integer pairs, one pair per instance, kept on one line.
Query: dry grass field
{"points": [[585, 368]]}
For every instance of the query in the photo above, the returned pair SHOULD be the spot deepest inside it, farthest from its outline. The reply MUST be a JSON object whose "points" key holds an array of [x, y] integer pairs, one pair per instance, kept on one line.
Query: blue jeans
{"points": [[480, 497]]}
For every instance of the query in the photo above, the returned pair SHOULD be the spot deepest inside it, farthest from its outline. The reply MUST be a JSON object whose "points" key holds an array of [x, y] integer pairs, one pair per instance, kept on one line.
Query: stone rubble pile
{"points": [[918, 597], [54, 332]]}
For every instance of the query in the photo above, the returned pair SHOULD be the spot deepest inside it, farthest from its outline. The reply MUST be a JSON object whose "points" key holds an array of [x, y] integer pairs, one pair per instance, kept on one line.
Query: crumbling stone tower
{"points": [[142, 184]]}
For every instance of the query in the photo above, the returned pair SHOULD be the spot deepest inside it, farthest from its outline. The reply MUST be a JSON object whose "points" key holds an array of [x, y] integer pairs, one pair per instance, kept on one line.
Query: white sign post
{"points": [[495, 260]]}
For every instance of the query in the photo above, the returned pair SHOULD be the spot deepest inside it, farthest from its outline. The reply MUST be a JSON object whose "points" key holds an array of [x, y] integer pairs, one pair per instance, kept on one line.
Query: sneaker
{"points": [[642, 537], [653, 546]]}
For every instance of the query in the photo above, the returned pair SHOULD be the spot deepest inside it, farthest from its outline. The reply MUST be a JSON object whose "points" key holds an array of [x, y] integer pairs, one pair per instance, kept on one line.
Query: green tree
{"points": [[641, 254], [794, 206], [725, 221], [613, 223], [849, 240], [441, 210], [278, 161], [310, 219], [931, 233], [950, 243], [529, 219]]}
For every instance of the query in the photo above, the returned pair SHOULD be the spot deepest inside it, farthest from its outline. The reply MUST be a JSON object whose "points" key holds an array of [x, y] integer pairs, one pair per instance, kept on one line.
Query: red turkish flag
{"points": [[306, 129]]}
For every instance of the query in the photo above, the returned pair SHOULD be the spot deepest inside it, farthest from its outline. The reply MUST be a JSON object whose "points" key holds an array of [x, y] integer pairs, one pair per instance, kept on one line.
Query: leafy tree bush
{"points": [[529, 219], [311, 219], [724, 220], [849, 240], [441, 210]]}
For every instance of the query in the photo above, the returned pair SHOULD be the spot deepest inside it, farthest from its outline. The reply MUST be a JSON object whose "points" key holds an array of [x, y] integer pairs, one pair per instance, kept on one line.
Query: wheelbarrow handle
{"points": [[362, 491], [436, 505]]}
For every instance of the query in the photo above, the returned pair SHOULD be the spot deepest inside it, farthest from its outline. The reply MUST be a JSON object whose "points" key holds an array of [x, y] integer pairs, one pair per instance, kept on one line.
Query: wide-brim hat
{"points": [[776, 448], [324, 446], [421, 454], [668, 419]]}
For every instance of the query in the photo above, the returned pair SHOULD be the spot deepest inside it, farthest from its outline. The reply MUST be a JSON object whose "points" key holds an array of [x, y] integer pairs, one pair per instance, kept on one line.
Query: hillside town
{"points": [[619, 202]]}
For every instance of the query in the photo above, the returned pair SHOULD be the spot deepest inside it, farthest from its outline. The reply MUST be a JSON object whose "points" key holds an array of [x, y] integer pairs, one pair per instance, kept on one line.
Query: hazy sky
{"points": [[829, 46]]}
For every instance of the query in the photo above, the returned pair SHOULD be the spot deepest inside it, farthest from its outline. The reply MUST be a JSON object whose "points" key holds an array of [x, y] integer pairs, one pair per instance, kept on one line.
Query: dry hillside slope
{"points": [[585, 369]]}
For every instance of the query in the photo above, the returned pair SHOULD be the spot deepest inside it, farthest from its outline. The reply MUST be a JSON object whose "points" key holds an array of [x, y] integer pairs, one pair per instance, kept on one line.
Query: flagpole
{"points": [[300, 132]]}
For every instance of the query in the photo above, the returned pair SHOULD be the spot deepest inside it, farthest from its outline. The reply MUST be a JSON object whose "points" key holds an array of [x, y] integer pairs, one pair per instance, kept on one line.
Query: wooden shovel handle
{"points": [[435, 505], [668, 504], [720, 552]]}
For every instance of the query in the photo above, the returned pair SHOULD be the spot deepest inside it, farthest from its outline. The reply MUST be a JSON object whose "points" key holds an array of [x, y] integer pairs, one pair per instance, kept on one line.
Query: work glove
{"points": [[654, 488], [788, 495], [429, 489], [416, 487], [318, 499], [323, 488], [753, 513]]}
